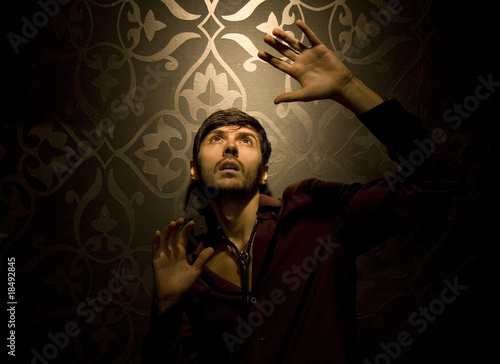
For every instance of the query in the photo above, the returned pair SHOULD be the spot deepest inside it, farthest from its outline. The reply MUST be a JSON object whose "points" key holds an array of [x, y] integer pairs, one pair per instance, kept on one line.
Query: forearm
{"points": [[430, 176], [420, 152]]}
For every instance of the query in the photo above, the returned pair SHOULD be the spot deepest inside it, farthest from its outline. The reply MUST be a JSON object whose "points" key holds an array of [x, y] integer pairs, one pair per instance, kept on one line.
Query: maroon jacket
{"points": [[304, 264]]}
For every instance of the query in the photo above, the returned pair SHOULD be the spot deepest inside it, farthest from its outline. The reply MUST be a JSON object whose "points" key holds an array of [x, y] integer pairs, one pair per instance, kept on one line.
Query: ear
{"points": [[263, 175], [194, 171]]}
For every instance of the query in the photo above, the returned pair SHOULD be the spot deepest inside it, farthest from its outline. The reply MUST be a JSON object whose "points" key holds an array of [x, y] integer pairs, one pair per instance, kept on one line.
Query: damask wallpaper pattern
{"points": [[104, 99]]}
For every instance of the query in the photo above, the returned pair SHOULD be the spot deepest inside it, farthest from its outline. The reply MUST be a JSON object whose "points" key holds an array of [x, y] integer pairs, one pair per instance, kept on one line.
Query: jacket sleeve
{"points": [[429, 176], [168, 338], [364, 215]]}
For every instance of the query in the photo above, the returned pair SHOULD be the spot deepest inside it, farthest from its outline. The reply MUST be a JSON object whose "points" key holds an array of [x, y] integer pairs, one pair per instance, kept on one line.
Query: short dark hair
{"points": [[230, 117]]}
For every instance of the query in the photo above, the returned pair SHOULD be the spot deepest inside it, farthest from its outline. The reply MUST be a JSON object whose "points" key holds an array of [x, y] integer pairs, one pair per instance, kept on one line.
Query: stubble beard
{"points": [[248, 186]]}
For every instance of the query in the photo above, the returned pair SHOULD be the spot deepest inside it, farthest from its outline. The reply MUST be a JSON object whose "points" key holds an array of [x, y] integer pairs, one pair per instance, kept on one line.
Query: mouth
{"points": [[230, 165]]}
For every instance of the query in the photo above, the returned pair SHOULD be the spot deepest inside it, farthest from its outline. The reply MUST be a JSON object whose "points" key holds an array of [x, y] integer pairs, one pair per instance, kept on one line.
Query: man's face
{"points": [[230, 160]]}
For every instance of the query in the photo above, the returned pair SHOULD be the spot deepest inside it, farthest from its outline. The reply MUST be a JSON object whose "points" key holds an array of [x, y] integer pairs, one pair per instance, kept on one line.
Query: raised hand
{"points": [[174, 275], [320, 73]]}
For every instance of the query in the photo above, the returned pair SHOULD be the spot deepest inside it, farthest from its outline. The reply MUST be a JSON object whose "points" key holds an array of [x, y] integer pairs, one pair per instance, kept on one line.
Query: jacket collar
{"points": [[268, 207]]}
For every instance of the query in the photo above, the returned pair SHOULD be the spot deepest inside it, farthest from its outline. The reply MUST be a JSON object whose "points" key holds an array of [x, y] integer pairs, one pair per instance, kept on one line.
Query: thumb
{"points": [[292, 96], [204, 256]]}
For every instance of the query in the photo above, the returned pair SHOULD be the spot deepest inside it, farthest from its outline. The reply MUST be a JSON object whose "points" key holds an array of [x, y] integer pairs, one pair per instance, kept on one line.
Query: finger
{"points": [[274, 61], [281, 47], [156, 242], [176, 239], [292, 42], [169, 236], [204, 256], [184, 233], [311, 36], [166, 234]]}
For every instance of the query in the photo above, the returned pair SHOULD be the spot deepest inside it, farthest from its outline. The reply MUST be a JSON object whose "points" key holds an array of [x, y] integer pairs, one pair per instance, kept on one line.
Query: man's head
{"points": [[231, 152]]}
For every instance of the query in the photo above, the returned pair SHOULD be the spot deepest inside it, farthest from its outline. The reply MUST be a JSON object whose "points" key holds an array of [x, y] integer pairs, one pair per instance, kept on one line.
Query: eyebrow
{"points": [[239, 134]]}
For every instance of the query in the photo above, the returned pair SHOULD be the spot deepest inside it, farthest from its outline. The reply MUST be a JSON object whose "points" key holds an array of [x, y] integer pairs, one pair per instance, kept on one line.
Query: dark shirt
{"points": [[304, 260]]}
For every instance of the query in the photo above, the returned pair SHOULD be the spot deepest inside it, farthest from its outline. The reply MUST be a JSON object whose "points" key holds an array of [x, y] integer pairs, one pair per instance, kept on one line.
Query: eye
{"points": [[215, 139], [248, 141]]}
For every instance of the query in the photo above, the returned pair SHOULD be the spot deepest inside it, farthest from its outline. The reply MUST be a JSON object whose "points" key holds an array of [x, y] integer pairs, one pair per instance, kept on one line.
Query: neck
{"points": [[236, 215]]}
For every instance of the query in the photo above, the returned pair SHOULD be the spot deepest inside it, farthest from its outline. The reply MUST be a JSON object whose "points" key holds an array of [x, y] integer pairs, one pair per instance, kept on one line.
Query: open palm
{"points": [[174, 275], [320, 73]]}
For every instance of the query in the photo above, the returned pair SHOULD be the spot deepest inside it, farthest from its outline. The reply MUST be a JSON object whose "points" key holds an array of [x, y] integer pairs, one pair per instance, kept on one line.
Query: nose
{"points": [[231, 148]]}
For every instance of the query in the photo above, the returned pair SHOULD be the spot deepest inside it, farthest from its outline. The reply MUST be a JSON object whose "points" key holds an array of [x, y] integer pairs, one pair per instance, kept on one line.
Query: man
{"points": [[274, 280]]}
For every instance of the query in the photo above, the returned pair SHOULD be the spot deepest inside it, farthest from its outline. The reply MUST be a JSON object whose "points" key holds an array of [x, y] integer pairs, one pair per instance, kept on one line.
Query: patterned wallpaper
{"points": [[102, 99]]}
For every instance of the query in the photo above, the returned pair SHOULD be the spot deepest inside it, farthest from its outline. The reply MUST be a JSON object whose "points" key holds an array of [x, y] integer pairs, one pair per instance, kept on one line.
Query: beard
{"points": [[244, 182]]}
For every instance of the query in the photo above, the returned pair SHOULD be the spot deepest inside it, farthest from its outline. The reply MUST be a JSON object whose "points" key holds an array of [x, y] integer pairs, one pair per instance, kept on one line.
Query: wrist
{"points": [[358, 97], [164, 304]]}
